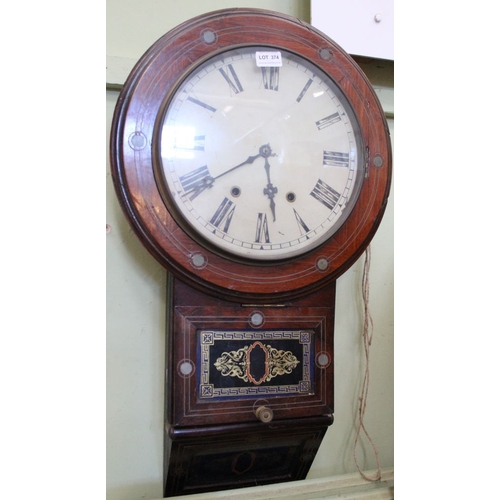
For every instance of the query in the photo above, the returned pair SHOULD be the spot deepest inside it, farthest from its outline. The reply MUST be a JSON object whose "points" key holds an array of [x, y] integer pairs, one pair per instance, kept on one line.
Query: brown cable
{"points": [[367, 339]]}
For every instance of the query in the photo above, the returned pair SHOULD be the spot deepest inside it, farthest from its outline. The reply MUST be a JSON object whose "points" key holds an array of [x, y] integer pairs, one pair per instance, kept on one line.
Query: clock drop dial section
{"points": [[263, 163]]}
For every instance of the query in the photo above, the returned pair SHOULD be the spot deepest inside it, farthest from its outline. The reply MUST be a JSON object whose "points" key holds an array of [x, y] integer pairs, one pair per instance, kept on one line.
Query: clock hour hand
{"points": [[270, 190]]}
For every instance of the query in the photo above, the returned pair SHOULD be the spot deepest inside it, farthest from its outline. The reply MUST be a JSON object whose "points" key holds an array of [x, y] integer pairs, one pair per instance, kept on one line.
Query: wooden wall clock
{"points": [[252, 158]]}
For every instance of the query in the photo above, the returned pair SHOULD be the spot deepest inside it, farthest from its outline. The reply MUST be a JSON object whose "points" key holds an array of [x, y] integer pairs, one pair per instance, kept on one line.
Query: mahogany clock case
{"points": [[249, 378], [135, 157]]}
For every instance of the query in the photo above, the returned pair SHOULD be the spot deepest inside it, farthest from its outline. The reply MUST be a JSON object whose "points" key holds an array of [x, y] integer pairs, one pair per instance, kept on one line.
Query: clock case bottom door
{"points": [[217, 442], [216, 458]]}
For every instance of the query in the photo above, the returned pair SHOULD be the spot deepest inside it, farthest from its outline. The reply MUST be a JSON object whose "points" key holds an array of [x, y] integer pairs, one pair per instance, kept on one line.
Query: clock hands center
{"points": [[265, 152]]}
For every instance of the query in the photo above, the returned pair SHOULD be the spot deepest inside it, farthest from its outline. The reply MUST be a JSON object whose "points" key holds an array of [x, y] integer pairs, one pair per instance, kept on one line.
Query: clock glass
{"points": [[261, 154]]}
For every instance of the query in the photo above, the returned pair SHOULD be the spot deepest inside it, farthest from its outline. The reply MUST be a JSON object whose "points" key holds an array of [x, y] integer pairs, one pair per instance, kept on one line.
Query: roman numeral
{"points": [[202, 104], [327, 121], [199, 143], [270, 78], [196, 181], [335, 159], [224, 214], [232, 79], [302, 225], [325, 194], [262, 230], [304, 90]]}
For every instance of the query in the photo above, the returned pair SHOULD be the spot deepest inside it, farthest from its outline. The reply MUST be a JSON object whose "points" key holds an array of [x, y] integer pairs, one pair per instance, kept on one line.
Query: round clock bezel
{"points": [[134, 153], [162, 184]]}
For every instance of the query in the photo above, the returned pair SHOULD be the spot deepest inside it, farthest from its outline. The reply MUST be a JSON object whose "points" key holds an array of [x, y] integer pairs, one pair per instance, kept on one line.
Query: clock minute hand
{"points": [[207, 181], [249, 160]]}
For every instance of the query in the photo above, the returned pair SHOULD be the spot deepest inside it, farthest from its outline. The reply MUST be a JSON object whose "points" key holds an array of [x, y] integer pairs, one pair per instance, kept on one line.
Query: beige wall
{"points": [[136, 297]]}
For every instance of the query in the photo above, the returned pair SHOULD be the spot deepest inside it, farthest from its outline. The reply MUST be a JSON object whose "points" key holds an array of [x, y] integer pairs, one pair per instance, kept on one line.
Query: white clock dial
{"points": [[260, 162]]}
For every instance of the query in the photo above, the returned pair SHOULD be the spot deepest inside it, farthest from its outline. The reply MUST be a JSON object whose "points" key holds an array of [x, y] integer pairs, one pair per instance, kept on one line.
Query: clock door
{"points": [[216, 458], [233, 363]]}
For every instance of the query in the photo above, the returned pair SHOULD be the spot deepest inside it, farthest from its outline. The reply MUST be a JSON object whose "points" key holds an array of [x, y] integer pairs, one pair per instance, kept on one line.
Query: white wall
{"points": [[136, 298]]}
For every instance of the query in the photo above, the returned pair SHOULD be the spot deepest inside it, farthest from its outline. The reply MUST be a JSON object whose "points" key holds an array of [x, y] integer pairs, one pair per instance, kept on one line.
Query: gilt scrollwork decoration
{"points": [[238, 363]]}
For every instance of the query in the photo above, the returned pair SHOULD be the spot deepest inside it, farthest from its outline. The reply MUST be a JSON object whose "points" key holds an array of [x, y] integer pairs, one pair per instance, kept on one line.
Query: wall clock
{"points": [[252, 158]]}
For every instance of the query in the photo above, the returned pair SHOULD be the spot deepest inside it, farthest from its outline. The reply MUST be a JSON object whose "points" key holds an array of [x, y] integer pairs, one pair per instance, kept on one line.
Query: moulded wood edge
{"points": [[347, 486]]}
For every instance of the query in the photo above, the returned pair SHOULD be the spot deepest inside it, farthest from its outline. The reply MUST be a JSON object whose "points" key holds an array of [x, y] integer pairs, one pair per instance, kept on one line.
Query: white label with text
{"points": [[268, 59]]}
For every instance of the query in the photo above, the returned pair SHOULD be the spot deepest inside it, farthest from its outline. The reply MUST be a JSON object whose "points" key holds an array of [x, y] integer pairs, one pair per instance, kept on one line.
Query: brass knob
{"points": [[264, 414]]}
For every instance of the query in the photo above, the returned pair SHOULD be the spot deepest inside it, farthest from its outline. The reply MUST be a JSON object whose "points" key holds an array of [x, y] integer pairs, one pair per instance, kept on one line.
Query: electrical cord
{"points": [[367, 339]]}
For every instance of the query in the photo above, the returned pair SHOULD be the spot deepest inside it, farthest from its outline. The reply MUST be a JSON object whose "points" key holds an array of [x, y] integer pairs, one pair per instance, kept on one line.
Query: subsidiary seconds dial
{"points": [[259, 162]]}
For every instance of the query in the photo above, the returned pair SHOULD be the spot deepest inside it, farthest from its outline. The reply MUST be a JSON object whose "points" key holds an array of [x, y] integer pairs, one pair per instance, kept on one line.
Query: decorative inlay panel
{"points": [[249, 363]]}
